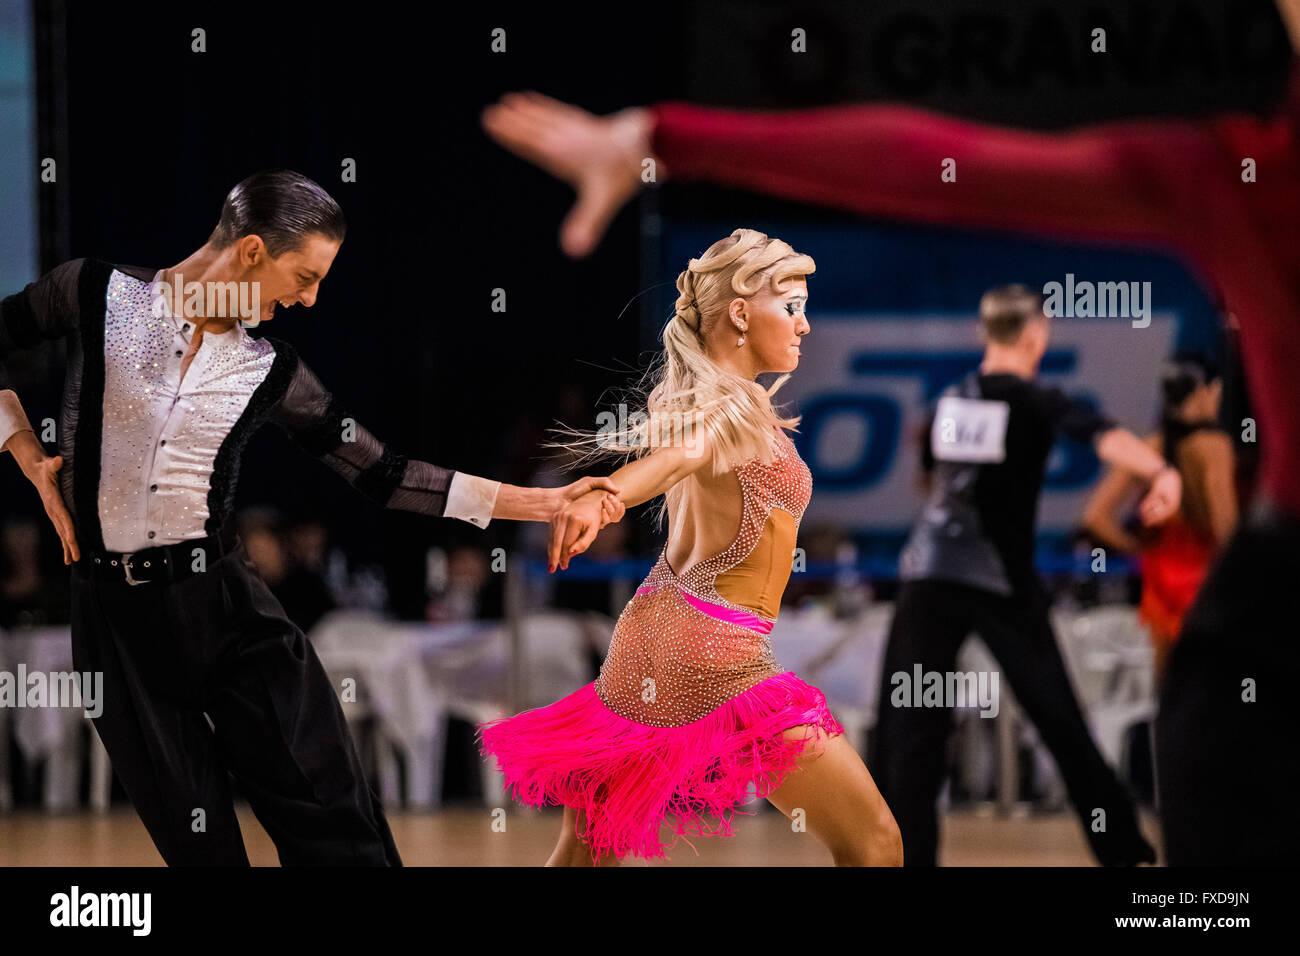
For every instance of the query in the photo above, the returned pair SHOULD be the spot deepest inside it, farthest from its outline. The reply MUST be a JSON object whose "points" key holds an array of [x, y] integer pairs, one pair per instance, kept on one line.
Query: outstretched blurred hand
{"points": [[599, 156]]}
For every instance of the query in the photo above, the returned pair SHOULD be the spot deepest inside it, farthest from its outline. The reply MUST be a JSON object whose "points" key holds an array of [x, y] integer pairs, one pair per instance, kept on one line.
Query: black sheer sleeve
{"points": [[45, 309], [320, 425]]}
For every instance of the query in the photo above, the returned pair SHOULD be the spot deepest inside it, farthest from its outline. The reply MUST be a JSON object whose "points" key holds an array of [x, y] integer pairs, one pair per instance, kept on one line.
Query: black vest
{"points": [[948, 541]]}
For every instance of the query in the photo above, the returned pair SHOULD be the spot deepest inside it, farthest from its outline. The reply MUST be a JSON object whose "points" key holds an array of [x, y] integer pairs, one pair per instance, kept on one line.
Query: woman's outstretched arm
{"points": [[639, 481]]}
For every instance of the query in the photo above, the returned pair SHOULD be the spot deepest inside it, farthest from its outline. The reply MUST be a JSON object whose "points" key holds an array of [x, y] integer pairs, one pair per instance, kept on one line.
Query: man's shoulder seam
{"points": [[142, 273], [281, 348]]}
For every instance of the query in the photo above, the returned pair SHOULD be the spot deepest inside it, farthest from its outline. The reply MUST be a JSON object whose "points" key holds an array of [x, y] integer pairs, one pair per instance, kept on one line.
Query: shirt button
{"points": [[152, 533], [179, 352], [186, 327], [153, 487]]}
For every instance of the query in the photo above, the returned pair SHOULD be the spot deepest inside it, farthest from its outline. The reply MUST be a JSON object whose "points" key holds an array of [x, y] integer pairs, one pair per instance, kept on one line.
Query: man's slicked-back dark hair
{"points": [[281, 206]]}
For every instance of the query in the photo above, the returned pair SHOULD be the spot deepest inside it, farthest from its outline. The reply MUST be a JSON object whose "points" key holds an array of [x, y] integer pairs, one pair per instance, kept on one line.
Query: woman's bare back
{"points": [[705, 518]]}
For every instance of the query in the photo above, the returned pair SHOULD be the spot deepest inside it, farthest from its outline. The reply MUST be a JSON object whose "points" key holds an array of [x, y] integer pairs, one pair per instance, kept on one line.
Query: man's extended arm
{"points": [[318, 423], [1119, 447]]}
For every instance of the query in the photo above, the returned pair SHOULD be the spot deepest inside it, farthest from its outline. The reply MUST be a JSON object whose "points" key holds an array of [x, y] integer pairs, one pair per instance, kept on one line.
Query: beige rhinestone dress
{"points": [[690, 706]]}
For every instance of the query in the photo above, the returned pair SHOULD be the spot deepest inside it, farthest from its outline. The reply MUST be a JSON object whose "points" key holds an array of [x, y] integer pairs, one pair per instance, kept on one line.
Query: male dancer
{"points": [[969, 566], [1224, 714], [203, 672]]}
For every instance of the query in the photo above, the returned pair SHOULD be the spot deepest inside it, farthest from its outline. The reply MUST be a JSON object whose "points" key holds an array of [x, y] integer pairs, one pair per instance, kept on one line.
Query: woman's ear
{"points": [[739, 312]]}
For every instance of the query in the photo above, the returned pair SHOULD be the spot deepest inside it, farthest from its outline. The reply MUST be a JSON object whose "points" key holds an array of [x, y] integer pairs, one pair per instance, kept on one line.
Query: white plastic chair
{"points": [[840, 657], [556, 649], [358, 645], [1112, 664], [52, 734]]}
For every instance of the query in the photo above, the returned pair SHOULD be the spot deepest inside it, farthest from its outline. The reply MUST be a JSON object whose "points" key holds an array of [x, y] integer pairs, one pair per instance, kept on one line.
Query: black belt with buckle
{"points": [[168, 562]]}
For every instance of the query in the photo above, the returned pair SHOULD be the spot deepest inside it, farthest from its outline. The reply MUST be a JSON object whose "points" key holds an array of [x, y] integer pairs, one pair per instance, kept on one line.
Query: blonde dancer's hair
{"points": [[684, 390]]}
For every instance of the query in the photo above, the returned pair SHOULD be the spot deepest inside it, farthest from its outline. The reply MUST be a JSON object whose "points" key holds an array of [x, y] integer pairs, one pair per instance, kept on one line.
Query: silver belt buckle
{"points": [[126, 566]]}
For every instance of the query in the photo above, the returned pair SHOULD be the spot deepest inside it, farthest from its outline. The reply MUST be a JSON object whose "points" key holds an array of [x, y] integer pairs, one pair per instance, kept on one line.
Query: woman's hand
{"points": [[575, 526], [1162, 498], [43, 472], [612, 510], [571, 492]]}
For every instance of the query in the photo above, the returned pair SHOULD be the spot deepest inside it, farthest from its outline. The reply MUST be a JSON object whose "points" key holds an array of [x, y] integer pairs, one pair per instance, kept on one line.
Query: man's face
{"points": [[292, 278]]}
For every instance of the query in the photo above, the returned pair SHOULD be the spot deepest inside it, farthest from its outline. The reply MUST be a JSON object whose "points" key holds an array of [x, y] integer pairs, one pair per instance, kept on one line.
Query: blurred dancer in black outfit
{"points": [[969, 566]]}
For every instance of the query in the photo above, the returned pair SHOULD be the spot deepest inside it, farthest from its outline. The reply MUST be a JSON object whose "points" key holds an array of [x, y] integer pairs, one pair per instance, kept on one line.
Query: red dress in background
{"points": [[1173, 567]]}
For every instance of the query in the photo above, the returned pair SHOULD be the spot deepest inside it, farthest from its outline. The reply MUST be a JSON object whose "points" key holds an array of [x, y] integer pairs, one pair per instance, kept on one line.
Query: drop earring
{"points": [[740, 341]]}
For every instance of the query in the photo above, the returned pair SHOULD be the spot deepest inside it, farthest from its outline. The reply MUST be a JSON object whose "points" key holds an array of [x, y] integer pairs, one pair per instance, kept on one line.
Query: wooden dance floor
{"points": [[464, 837]]}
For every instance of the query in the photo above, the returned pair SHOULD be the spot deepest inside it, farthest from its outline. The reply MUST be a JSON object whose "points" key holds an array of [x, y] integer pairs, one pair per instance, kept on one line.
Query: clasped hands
{"points": [[585, 507]]}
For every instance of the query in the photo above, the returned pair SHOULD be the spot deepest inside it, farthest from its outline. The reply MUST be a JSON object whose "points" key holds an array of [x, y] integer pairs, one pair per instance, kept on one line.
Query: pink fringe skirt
{"points": [[631, 778]]}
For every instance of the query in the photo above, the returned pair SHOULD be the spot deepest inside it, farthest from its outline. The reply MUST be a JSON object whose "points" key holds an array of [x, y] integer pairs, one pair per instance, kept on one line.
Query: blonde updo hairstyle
{"points": [[685, 385]]}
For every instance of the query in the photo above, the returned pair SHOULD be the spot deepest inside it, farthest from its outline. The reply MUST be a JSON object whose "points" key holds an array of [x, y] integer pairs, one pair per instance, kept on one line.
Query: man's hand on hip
{"points": [[43, 472]]}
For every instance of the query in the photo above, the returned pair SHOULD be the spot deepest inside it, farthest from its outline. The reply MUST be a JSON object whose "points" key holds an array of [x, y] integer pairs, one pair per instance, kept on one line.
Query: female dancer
{"points": [[690, 707], [1176, 554]]}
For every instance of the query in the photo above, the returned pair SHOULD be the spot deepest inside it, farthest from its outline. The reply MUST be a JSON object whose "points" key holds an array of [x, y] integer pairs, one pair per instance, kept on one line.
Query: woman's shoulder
{"points": [[781, 447]]}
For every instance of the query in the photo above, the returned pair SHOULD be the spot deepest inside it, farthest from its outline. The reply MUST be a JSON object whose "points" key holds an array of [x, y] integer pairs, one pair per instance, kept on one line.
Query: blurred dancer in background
{"points": [[969, 566], [1175, 555]]}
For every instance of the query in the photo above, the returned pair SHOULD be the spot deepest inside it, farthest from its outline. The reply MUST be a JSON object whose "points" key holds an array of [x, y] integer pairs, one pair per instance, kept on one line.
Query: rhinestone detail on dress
{"points": [[670, 663]]}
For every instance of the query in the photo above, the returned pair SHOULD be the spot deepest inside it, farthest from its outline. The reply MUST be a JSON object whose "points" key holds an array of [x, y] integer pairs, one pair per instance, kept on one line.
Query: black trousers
{"points": [[1227, 729], [908, 747], [218, 643]]}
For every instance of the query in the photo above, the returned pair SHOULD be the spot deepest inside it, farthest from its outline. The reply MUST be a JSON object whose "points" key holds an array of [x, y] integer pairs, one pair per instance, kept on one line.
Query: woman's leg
{"points": [[572, 851], [842, 806]]}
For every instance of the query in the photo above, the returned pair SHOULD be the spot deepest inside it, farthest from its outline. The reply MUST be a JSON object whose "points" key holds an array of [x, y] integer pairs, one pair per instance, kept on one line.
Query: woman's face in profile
{"points": [[777, 323]]}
